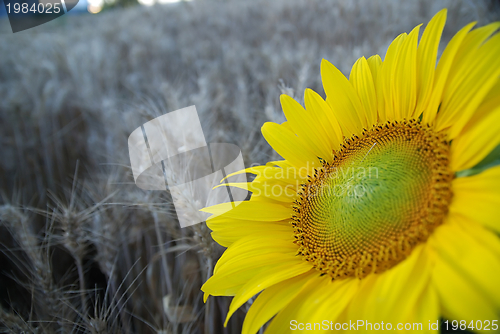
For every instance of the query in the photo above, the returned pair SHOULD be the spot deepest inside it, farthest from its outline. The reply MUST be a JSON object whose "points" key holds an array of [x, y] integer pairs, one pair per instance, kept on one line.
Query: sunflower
{"points": [[385, 209]]}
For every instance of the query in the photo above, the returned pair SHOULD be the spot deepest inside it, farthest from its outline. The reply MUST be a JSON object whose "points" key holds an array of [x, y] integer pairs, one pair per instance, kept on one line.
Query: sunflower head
{"points": [[367, 208], [382, 194]]}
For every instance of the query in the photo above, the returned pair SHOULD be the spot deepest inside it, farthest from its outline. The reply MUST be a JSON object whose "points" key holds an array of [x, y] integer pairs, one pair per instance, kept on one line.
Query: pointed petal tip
{"points": [[284, 97], [443, 11], [266, 125], [325, 64]]}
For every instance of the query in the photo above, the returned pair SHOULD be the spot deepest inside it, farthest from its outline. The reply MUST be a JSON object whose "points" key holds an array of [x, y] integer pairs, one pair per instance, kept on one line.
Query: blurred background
{"points": [[82, 249]]}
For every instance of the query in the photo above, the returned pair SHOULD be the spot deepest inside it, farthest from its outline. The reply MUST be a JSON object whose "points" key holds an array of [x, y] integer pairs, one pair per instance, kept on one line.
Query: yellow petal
{"points": [[272, 190], [476, 141], [343, 100], [465, 275], [334, 305], [471, 86], [466, 54], [426, 59], [375, 64], [273, 299], [479, 233], [315, 105], [247, 258], [264, 280], [229, 282], [250, 170], [306, 127], [387, 75], [323, 299], [250, 247], [286, 177], [469, 257], [362, 80], [442, 70], [280, 163], [256, 258], [250, 210], [489, 104], [287, 125], [477, 198], [289, 146], [380, 298], [220, 222], [460, 300], [427, 311], [405, 81], [228, 231], [492, 99]]}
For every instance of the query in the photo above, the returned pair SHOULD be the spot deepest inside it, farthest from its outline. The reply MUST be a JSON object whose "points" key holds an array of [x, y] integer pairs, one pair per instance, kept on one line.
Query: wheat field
{"points": [[82, 249]]}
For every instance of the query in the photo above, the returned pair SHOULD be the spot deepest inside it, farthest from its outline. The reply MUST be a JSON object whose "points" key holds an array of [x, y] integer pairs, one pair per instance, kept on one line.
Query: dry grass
{"points": [[81, 248]]}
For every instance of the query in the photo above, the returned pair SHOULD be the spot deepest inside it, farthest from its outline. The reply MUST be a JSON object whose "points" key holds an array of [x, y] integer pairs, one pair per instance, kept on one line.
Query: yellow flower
{"points": [[375, 215]]}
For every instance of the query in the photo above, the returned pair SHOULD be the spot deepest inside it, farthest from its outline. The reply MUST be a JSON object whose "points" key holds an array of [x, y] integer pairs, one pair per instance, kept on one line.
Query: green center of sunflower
{"points": [[382, 195]]}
